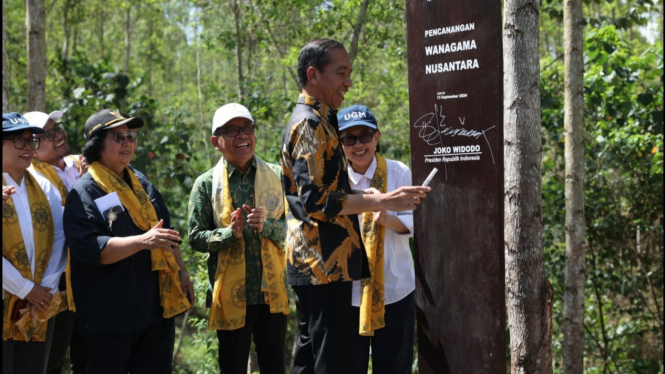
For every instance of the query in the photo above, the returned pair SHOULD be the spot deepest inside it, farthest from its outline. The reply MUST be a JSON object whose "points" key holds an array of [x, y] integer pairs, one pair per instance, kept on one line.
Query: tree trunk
{"points": [[65, 29], [236, 14], [101, 33], [127, 42], [573, 294], [357, 29], [528, 292], [5, 70], [35, 21]]}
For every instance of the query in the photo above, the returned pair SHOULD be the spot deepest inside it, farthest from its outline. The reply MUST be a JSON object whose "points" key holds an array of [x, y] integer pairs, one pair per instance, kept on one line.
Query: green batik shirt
{"points": [[204, 236]]}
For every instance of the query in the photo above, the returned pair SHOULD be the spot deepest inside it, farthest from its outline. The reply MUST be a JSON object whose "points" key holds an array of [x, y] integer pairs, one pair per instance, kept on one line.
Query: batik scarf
{"points": [[372, 308], [143, 213], [13, 249], [228, 309]]}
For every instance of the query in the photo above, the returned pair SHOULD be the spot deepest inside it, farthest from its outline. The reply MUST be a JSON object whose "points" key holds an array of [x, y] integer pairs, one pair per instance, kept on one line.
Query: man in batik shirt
{"points": [[236, 213], [324, 249]]}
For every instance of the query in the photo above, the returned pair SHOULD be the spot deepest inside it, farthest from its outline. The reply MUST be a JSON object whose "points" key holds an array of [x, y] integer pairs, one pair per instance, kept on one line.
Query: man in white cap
{"points": [[236, 214], [54, 162]]}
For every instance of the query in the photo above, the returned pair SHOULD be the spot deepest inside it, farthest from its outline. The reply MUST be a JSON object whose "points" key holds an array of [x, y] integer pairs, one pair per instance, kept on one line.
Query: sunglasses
{"points": [[120, 137], [235, 130], [350, 140], [20, 143], [50, 134]]}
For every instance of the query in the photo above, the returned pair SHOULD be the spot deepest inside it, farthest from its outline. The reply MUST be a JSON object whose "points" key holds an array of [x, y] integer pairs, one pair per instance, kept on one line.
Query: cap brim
{"points": [[358, 123], [55, 115], [132, 123], [26, 126]]}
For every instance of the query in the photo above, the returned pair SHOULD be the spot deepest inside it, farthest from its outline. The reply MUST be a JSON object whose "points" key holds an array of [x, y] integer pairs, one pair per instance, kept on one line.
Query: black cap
{"points": [[15, 121], [107, 119]]}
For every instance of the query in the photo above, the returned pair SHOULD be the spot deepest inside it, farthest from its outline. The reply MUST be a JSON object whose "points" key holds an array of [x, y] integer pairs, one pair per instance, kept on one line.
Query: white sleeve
{"points": [[13, 281], [58, 260], [404, 179]]}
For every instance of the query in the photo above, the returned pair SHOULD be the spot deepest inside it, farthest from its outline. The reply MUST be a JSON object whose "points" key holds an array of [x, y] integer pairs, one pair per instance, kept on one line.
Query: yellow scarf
{"points": [[13, 249], [138, 204], [372, 308], [228, 310], [49, 172]]}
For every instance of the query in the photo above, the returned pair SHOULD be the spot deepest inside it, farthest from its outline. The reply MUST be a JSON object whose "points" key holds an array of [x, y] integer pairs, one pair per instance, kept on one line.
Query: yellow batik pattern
{"points": [[228, 309], [143, 213], [372, 307], [13, 249], [49, 172]]}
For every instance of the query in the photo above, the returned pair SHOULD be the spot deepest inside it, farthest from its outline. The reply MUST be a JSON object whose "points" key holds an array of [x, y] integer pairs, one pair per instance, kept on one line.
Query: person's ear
{"points": [[215, 142], [312, 74]]}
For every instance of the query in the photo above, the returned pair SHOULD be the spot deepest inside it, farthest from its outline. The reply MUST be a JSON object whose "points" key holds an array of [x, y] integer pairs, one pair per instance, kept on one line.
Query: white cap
{"points": [[228, 112], [39, 119]]}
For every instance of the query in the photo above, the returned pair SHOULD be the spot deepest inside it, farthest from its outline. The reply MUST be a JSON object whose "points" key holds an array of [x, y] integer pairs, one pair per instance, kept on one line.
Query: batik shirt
{"points": [[322, 246], [205, 237]]}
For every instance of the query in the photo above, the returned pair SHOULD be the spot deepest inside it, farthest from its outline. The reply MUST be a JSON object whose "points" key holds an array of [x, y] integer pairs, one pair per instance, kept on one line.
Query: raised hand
{"points": [[160, 238], [237, 224], [255, 218]]}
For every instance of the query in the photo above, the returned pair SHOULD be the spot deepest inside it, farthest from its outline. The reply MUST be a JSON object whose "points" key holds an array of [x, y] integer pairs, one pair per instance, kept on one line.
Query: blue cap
{"points": [[14, 121], [356, 115]]}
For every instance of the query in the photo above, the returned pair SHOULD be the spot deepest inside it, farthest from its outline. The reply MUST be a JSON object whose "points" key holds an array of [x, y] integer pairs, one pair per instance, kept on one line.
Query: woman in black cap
{"points": [[128, 276]]}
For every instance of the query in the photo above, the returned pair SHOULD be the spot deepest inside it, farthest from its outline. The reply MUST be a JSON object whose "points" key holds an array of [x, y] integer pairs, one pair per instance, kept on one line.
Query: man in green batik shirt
{"points": [[234, 205]]}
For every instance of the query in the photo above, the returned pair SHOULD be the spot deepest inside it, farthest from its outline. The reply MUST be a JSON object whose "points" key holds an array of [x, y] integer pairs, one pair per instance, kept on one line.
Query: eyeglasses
{"points": [[20, 143], [235, 130], [350, 140], [120, 137], [50, 134]]}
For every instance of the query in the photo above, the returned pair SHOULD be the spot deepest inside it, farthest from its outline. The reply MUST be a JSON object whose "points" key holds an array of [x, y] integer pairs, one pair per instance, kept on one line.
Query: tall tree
{"points": [[5, 72], [239, 44], [573, 294], [528, 292], [35, 21], [127, 35]]}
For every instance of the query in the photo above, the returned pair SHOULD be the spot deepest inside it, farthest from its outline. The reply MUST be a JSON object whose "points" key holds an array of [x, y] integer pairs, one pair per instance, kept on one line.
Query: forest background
{"points": [[174, 62]]}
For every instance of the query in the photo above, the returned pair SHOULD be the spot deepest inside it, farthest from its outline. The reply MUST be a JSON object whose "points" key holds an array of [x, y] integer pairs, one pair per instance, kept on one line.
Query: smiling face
{"points": [[114, 155], [237, 150], [52, 151], [360, 154], [331, 85], [15, 161]]}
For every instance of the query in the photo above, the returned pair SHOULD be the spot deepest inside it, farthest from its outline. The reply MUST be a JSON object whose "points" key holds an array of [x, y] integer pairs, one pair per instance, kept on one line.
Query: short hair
{"points": [[316, 53], [93, 147]]}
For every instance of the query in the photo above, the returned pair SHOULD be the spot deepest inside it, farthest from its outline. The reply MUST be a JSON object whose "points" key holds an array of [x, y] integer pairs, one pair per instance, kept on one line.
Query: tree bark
{"points": [[5, 70], [35, 21], [65, 29], [101, 33], [236, 13], [357, 29], [573, 294], [127, 41], [528, 292]]}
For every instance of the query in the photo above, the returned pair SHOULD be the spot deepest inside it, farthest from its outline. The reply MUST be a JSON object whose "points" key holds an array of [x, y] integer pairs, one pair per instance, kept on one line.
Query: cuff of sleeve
{"points": [[25, 290]]}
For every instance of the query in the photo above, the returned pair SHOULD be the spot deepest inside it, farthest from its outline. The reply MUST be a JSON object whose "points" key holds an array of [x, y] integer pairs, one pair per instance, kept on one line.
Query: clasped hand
{"points": [[255, 220]]}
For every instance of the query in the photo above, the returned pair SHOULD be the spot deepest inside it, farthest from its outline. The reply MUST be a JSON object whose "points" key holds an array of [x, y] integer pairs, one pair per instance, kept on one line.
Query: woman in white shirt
{"points": [[390, 333]]}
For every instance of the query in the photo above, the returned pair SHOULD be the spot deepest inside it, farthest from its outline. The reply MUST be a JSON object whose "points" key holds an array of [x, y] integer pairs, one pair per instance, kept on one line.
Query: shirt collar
{"points": [[324, 110], [12, 182], [231, 170], [357, 177]]}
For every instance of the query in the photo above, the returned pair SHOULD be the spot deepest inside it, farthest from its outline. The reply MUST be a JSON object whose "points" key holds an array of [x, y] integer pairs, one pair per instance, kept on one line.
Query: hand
{"points": [[187, 287], [404, 198], [84, 164], [7, 191], [371, 191], [237, 224], [159, 238], [255, 218], [40, 297], [380, 217]]}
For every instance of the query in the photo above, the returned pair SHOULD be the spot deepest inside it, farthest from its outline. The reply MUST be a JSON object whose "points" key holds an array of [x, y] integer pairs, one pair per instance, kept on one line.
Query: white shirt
{"points": [[399, 274], [12, 280], [69, 176]]}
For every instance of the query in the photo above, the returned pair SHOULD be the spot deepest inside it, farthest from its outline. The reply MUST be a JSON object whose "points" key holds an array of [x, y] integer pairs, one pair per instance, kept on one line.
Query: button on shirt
{"points": [[399, 274], [12, 280]]}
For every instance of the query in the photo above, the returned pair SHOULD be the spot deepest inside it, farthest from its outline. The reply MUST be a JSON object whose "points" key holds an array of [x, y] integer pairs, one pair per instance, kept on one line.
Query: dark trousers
{"points": [[148, 351], [392, 345], [269, 332], [325, 329], [26, 357], [66, 335]]}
